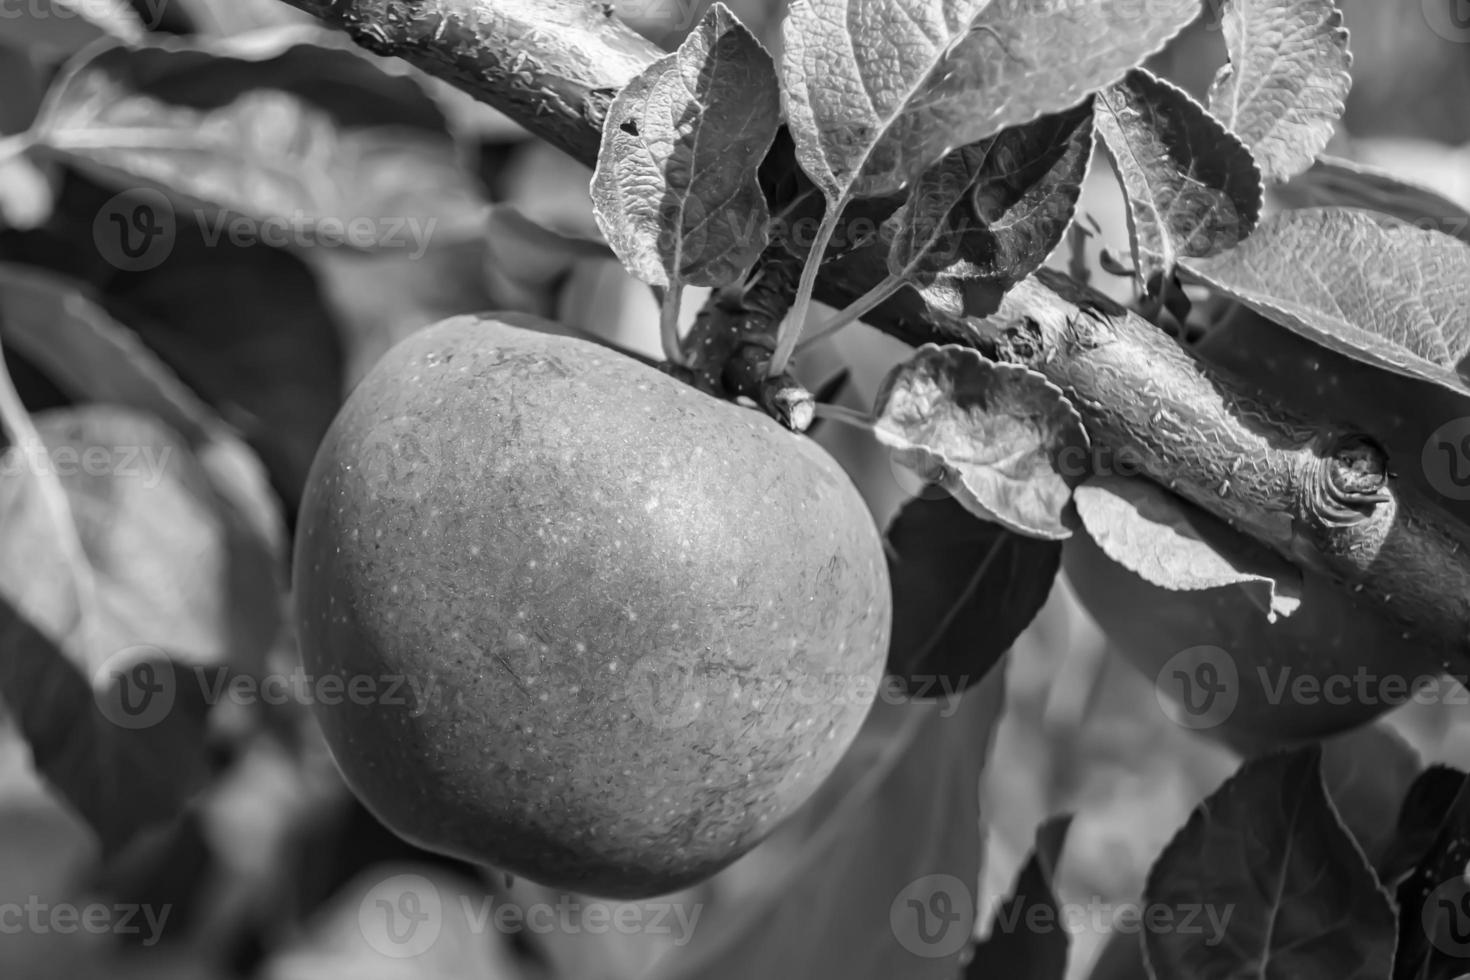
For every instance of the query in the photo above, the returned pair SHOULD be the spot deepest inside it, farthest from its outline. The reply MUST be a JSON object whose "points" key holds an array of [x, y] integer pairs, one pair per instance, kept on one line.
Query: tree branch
{"points": [[1319, 495]]}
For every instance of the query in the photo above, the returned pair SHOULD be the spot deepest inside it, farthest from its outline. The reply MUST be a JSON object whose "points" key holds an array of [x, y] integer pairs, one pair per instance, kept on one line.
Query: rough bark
{"points": [[1319, 495]]}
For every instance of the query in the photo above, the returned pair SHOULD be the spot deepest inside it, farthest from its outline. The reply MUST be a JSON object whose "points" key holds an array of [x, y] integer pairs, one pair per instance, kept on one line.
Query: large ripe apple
{"points": [[605, 630]]}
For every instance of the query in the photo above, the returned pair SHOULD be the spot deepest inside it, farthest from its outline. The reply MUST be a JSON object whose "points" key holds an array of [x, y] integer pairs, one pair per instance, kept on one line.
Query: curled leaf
{"points": [[1192, 187], [675, 189], [999, 437], [1167, 542], [1287, 82]]}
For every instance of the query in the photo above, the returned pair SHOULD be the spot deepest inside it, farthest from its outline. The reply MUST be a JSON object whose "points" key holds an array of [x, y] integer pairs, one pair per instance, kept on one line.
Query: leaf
{"points": [[1335, 182], [994, 210], [963, 590], [1192, 187], [883, 888], [878, 90], [1287, 82], [150, 593], [1029, 937], [675, 190], [64, 27], [1429, 798], [1434, 899], [263, 130], [1155, 535], [994, 435], [1391, 297], [1367, 773], [1268, 850], [94, 358]]}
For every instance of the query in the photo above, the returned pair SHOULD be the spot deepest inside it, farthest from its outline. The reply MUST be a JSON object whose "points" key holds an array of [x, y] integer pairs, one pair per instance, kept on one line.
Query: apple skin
{"points": [[635, 626]]}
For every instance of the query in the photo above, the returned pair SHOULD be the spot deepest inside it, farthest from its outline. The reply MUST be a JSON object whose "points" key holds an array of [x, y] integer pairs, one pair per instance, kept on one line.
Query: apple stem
{"points": [[795, 322], [845, 415], [782, 397], [856, 310], [669, 324]]}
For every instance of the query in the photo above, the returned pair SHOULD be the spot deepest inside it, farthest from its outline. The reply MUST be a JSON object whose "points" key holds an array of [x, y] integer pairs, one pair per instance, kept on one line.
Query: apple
{"points": [[569, 617]]}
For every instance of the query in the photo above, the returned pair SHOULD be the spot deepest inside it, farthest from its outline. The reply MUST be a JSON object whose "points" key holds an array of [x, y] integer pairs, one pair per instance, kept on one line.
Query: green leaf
{"points": [[118, 568], [675, 190], [1287, 82], [963, 590], [994, 209], [1394, 296], [1434, 898], [1158, 537], [1192, 187], [94, 358], [1268, 850], [264, 130], [878, 90], [1335, 182], [997, 436]]}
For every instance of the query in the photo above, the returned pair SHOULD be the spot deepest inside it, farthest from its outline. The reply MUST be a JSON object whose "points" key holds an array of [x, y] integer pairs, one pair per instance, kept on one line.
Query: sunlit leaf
{"points": [[997, 436], [1389, 295], [1192, 187], [1287, 82], [675, 190], [877, 90]]}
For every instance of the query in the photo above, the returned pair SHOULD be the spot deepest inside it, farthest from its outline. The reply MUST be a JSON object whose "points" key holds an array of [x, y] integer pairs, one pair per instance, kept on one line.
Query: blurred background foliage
{"points": [[266, 871]]}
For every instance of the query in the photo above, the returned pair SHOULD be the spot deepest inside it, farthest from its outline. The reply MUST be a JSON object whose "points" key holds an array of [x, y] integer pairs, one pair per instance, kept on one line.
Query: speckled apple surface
{"points": [[605, 631]]}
